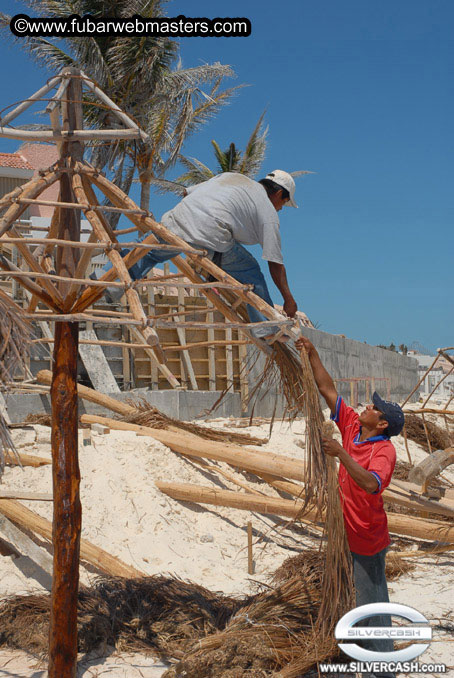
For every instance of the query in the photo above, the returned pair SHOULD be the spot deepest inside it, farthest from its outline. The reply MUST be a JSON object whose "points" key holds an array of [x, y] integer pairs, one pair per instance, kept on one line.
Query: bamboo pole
{"points": [[33, 188], [85, 194], [25, 496], [35, 266], [152, 322], [102, 208], [80, 135], [113, 107], [29, 285], [46, 251], [45, 377], [12, 115], [186, 364], [54, 103], [67, 513], [101, 245], [25, 460], [100, 283]]}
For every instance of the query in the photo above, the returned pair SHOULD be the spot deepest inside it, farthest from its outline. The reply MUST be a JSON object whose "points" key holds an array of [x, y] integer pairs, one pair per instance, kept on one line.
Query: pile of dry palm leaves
{"points": [[439, 438], [208, 635], [147, 415], [15, 335]]}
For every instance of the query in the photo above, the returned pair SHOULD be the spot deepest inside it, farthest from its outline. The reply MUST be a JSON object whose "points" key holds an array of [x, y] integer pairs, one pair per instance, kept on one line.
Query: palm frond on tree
{"points": [[196, 172], [229, 160]]}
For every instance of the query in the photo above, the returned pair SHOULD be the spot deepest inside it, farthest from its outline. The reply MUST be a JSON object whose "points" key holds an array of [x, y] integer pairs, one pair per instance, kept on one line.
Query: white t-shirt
{"points": [[226, 209]]}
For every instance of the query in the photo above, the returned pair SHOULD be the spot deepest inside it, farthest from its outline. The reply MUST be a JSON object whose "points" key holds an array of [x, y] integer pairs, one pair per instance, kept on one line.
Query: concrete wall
{"points": [[183, 405], [346, 359]]}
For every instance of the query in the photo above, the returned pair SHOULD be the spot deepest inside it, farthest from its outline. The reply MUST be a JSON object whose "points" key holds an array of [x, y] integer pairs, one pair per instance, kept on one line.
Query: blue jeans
{"points": [[237, 262], [371, 587]]}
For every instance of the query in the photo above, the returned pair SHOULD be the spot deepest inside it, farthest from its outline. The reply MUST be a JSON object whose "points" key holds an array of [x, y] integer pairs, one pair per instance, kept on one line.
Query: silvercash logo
{"points": [[344, 631]]}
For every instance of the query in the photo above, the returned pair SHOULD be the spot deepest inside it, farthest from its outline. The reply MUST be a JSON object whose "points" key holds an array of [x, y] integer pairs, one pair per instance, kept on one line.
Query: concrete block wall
{"points": [[184, 405]]}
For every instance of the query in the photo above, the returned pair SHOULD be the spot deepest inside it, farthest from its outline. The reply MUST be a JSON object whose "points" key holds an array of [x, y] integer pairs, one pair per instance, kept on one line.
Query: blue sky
{"points": [[361, 93]]}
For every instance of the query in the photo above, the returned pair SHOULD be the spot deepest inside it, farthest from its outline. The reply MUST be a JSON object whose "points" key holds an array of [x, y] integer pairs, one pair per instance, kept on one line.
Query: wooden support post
{"points": [[229, 359], [67, 514], [186, 364], [211, 352], [152, 311], [250, 562], [244, 383]]}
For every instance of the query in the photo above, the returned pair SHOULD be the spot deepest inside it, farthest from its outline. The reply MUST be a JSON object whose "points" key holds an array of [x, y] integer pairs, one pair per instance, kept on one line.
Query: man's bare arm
{"points": [[279, 275], [323, 380], [363, 478]]}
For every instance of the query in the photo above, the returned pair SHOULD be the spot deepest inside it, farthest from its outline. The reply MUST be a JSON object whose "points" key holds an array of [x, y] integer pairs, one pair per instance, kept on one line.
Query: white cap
{"points": [[285, 180]]}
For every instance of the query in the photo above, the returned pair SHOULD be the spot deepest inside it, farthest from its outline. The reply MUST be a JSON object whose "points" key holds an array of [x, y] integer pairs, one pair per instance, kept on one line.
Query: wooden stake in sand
{"points": [[250, 562]]}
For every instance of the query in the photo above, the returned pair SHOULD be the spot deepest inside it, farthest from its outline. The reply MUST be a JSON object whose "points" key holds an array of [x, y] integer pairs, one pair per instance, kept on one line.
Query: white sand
{"points": [[125, 514]]}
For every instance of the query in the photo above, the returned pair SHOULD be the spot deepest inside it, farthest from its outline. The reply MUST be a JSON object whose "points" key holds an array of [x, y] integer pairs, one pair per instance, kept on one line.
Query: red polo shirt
{"points": [[364, 516]]}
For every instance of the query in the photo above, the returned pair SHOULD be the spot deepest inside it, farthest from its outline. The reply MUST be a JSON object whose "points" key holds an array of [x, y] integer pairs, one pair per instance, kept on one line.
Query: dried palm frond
{"points": [[147, 415], [211, 635], [281, 375], [322, 491], [15, 335], [414, 427]]}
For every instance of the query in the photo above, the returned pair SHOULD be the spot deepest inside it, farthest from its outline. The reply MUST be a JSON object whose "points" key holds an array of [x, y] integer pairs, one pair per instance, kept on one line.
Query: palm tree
{"points": [[246, 162], [230, 160], [143, 76]]}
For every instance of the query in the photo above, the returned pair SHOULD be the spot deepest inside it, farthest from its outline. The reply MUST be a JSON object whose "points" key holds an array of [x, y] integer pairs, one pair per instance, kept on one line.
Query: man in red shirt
{"points": [[367, 459]]}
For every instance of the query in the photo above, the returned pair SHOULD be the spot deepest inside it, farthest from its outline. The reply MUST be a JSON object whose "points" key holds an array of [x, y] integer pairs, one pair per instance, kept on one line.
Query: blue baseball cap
{"points": [[392, 412]]}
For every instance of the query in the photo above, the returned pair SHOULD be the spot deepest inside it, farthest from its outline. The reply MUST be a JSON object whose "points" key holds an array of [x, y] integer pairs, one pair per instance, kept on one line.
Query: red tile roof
{"points": [[14, 160]]}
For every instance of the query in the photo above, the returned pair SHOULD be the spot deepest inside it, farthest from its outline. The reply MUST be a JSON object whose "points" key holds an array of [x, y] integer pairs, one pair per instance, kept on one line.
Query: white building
{"points": [[440, 373]]}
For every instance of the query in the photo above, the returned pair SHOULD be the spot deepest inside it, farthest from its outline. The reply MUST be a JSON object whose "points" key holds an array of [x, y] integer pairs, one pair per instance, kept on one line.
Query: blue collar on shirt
{"points": [[374, 439]]}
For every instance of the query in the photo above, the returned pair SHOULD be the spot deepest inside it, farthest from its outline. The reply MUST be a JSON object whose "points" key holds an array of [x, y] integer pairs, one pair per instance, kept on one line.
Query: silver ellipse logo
{"points": [[344, 631]]}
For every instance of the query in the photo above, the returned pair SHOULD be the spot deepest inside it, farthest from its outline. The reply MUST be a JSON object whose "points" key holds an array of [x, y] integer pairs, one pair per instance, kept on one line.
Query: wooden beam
{"points": [[12, 115], [80, 135], [181, 333], [410, 526], [25, 460], [28, 496], [113, 107], [194, 446], [431, 466], [44, 377], [89, 553], [26, 547], [67, 514]]}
